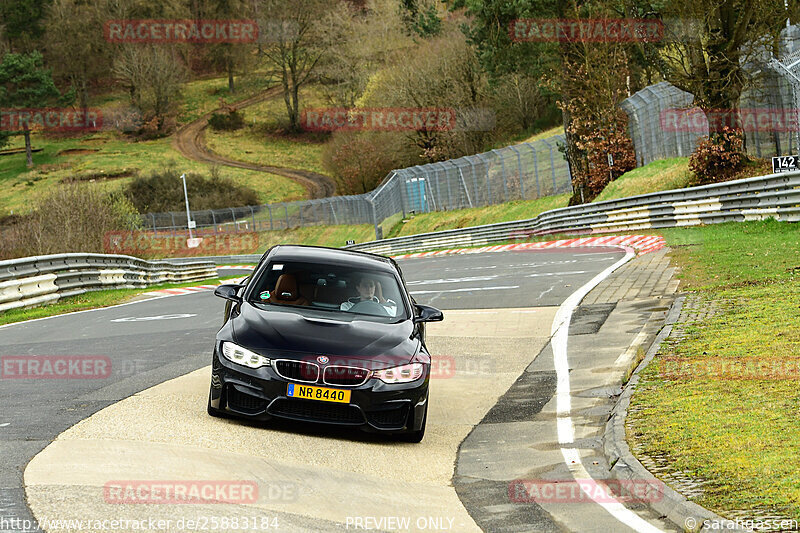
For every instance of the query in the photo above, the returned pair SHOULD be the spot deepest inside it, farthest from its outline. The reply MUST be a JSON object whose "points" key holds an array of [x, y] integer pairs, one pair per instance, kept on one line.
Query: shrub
{"points": [[358, 161], [226, 121], [718, 157], [163, 191], [69, 218]]}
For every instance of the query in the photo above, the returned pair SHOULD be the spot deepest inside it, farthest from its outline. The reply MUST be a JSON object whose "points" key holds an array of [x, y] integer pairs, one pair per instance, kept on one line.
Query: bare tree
{"points": [[231, 57], [361, 41], [292, 44], [153, 75], [443, 73], [75, 45]]}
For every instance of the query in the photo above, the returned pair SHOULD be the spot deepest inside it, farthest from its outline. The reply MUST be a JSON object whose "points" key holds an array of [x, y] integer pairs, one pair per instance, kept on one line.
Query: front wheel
{"points": [[416, 436]]}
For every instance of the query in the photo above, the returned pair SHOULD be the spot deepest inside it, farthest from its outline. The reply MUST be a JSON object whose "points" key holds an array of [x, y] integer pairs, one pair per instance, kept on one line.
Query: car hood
{"points": [[294, 335]]}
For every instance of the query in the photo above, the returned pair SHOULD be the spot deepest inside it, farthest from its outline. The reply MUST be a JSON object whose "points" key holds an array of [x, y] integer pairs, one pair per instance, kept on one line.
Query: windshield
{"points": [[332, 288]]}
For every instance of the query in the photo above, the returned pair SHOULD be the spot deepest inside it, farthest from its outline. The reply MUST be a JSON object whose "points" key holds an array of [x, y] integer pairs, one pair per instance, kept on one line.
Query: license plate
{"points": [[307, 392]]}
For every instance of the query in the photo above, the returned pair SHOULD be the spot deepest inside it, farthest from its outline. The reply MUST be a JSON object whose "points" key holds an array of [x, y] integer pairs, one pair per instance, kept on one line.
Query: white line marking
{"points": [[81, 312], [449, 280], [556, 274], [151, 318], [5, 425], [468, 289], [565, 426]]}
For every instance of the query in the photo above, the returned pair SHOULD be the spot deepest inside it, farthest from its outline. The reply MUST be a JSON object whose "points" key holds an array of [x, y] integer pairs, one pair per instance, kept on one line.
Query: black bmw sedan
{"points": [[324, 335]]}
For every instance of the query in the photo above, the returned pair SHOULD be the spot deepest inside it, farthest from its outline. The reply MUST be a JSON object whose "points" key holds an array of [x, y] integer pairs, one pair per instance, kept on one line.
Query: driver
{"points": [[366, 288]]}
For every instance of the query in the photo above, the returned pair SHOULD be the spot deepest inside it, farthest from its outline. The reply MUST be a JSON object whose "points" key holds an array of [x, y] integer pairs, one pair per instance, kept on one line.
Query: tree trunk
{"points": [[28, 151], [231, 87]]}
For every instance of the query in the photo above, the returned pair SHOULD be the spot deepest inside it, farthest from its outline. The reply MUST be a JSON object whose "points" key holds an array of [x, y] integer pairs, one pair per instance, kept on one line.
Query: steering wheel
{"points": [[368, 307]]}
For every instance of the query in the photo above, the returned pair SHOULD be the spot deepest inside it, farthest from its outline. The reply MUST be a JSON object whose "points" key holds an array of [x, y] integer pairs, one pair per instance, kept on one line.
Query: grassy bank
{"points": [[657, 176], [461, 218], [729, 417]]}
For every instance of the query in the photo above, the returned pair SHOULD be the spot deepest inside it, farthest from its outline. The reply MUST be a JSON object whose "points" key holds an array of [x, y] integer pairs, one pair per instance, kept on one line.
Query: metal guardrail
{"points": [[43, 279], [774, 195]]}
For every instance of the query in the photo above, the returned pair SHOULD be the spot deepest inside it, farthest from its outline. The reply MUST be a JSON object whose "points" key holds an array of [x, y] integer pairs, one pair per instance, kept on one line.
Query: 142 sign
{"points": [[785, 163]]}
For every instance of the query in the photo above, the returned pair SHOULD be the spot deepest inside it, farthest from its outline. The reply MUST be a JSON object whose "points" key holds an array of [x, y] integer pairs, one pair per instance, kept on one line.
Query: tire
{"points": [[415, 436]]}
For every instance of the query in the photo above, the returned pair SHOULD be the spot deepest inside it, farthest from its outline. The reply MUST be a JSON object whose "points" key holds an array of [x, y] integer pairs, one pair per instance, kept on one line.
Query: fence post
{"points": [[552, 165], [271, 227], [233, 214], [333, 214], [519, 168], [155, 229], [503, 167], [286, 209], [214, 221], [488, 181], [403, 189], [378, 235]]}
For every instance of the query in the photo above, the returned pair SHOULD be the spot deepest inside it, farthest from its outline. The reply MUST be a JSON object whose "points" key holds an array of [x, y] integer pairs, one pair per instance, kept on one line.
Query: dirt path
{"points": [[190, 141]]}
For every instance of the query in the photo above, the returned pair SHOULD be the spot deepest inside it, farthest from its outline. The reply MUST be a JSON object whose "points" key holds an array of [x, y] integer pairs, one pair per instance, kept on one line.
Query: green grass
{"points": [[461, 218], [263, 140], [657, 176], [742, 436], [201, 96], [556, 130], [93, 300], [253, 146], [332, 236]]}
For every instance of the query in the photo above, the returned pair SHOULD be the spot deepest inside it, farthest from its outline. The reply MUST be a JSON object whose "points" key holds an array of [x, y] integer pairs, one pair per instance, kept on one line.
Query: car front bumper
{"points": [[260, 394]]}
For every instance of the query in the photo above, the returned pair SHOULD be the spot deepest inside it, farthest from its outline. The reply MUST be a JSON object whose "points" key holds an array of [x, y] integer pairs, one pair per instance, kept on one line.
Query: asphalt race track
{"points": [[151, 342]]}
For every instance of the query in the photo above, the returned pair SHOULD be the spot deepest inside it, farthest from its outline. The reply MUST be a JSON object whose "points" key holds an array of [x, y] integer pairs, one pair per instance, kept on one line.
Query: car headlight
{"points": [[243, 356], [400, 374]]}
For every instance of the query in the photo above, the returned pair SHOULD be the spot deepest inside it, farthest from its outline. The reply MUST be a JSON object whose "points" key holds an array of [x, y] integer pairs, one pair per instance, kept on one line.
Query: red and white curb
{"points": [[642, 244], [237, 267]]}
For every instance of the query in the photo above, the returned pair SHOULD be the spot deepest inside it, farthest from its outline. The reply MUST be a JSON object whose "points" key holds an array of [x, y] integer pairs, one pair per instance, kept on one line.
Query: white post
{"points": [[188, 214]]}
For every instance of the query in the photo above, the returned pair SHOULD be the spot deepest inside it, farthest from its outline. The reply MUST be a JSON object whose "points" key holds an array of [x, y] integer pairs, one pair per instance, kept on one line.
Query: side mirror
{"points": [[428, 314], [229, 292]]}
